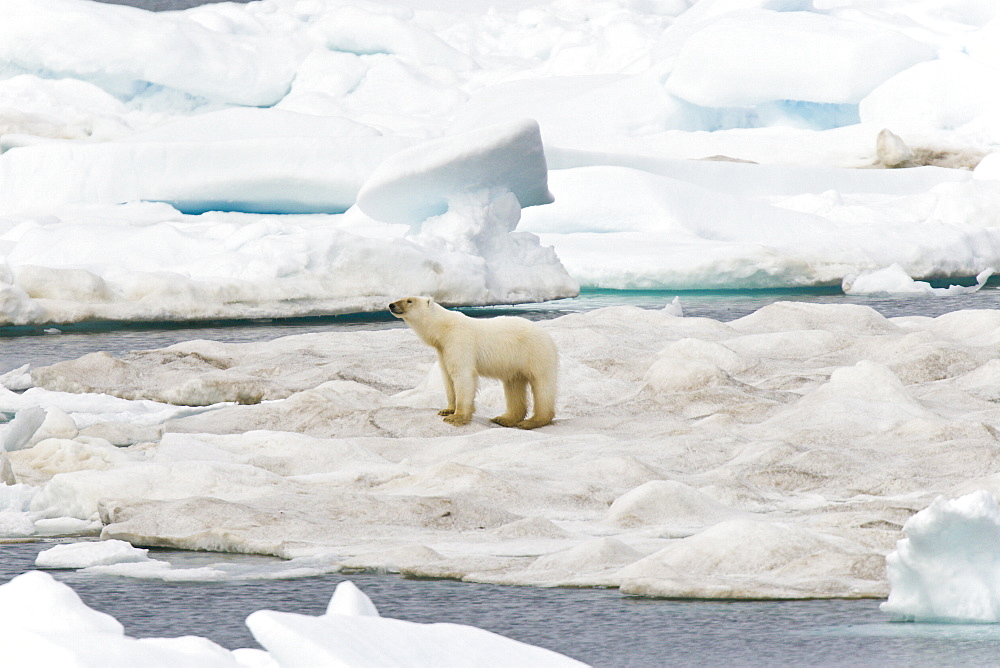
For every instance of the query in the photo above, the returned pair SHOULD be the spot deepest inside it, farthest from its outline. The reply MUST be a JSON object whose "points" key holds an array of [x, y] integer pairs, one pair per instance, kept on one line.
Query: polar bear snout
{"points": [[395, 308]]}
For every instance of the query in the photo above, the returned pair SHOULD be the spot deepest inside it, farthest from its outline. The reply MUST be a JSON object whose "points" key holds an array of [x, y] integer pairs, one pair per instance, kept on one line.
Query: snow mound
{"points": [[661, 502]]}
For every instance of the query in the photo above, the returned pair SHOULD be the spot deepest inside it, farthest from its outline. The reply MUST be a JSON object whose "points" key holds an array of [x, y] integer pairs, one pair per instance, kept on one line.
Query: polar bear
{"points": [[514, 350]]}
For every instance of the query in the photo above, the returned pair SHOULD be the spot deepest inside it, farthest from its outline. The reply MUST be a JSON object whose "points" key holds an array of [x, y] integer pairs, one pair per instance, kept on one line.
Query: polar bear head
{"points": [[410, 306]]}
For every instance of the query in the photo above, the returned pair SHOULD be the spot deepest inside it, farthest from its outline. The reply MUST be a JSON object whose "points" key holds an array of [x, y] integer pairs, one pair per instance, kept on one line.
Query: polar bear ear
{"points": [[428, 300]]}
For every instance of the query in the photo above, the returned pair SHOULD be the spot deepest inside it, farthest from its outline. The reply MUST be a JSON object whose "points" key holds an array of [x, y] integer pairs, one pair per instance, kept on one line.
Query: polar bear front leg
{"points": [[463, 378], [449, 388]]}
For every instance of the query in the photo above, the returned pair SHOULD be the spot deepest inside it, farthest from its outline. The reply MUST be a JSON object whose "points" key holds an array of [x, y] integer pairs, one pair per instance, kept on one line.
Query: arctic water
{"points": [[598, 626]]}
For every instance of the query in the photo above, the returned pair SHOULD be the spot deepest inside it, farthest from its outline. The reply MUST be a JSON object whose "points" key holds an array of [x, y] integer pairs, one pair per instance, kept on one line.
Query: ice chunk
{"points": [[83, 555], [17, 434], [891, 151], [893, 280], [947, 569], [347, 599], [16, 379], [6, 471], [15, 503], [44, 622], [768, 424], [988, 168], [247, 123], [366, 639], [420, 182], [28, 602], [16, 306]]}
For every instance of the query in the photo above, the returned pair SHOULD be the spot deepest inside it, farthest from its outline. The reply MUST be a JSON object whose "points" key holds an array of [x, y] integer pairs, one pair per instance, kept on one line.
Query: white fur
{"points": [[514, 350]]}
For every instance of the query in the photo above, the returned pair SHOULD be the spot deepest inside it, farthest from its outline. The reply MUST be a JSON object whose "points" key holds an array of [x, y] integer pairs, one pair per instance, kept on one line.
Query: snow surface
{"points": [[43, 622], [291, 157], [777, 455]]}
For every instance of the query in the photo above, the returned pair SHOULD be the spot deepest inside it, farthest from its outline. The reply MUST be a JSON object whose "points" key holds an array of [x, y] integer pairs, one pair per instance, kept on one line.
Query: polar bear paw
{"points": [[505, 421], [533, 423], [458, 420]]}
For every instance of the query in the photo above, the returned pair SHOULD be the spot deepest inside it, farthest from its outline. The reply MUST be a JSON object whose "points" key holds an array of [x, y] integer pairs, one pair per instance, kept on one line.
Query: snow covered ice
{"points": [[777, 455], [44, 622], [264, 159]]}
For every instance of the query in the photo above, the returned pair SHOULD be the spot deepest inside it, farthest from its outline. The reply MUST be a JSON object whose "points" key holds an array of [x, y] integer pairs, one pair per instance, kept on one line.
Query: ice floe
{"points": [[777, 455]]}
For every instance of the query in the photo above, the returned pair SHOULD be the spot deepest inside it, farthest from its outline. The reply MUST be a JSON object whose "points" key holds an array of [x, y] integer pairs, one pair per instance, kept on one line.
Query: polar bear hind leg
{"points": [[515, 391], [543, 391]]}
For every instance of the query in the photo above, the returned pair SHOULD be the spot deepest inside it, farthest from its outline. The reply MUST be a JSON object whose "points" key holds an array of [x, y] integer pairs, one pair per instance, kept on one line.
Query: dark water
{"points": [[41, 346], [165, 5], [600, 627]]}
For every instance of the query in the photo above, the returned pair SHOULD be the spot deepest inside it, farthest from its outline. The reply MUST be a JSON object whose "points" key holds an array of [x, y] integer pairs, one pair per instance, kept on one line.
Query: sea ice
{"points": [[84, 555], [678, 441], [240, 160], [240, 265], [355, 635]]}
